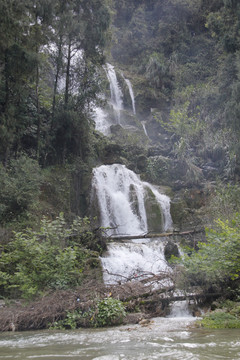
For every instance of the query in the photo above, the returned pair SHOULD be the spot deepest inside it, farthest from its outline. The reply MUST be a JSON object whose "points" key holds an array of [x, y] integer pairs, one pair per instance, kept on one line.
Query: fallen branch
{"points": [[149, 235]]}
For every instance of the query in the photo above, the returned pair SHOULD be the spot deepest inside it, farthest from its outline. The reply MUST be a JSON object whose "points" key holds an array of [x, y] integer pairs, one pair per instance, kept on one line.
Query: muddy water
{"points": [[165, 338]]}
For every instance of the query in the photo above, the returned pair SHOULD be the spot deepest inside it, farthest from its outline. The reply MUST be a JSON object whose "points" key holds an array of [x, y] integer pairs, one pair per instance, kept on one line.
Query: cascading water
{"points": [[135, 260], [127, 205], [116, 93], [144, 128], [121, 198], [180, 309], [131, 93], [115, 113]]}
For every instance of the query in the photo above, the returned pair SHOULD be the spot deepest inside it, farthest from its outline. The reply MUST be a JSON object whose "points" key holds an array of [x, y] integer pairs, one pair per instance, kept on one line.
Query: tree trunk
{"points": [[37, 107], [59, 60], [68, 74]]}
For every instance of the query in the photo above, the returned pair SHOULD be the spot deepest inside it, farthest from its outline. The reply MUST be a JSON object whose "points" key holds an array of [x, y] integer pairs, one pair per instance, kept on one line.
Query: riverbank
{"points": [[80, 306], [129, 303]]}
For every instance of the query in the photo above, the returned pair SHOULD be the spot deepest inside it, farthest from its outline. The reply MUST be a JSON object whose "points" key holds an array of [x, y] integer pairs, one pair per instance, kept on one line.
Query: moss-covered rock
{"points": [[154, 212], [171, 249]]}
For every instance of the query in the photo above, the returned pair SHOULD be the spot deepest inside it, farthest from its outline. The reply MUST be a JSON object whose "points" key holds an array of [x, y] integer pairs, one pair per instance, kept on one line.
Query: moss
{"points": [[154, 213]]}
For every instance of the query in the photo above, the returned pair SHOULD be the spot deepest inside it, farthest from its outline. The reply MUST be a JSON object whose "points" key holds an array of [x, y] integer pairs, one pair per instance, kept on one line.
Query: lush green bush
{"points": [[109, 312], [46, 259], [105, 312], [226, 316], [216, 262], [220, 320]]}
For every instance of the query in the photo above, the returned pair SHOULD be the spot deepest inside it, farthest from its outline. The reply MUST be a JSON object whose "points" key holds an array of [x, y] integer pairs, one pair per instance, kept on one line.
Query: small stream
{"points": [[165, 338]]}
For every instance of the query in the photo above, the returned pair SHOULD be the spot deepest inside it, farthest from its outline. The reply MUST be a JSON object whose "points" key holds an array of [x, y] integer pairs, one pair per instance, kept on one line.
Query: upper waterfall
{"points": [[116, 92], [122, 198], [115, 113]]}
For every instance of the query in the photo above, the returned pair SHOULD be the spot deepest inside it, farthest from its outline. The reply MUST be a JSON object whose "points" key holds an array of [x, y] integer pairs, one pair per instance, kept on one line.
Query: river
{"points": [[164, 338]]}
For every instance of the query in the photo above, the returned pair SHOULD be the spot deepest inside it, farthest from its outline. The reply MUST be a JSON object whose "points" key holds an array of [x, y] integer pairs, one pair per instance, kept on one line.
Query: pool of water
{"points": [[164, 338]]}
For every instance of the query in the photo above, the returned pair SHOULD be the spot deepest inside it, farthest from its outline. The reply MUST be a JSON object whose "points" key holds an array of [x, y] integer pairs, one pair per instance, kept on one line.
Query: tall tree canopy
{"points": [[49, 51]]}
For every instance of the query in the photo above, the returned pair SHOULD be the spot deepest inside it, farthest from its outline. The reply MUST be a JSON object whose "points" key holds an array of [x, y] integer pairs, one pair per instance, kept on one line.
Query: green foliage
{"points": [[41, 42], [69, 322], [225, 201], [20, 187], [216, 262], [182, 123], [105, 312], [220, 320], [36, 261], [157, 70], [109, 312]]}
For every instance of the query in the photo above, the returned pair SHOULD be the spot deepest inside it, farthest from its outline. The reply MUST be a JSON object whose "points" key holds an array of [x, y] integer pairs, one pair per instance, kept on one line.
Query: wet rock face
{"points": [[154, 213]]}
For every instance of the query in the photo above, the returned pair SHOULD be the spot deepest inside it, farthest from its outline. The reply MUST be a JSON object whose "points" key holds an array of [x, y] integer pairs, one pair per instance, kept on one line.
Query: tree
{"points": [[81, 33], [44, 44], [20, 187]]}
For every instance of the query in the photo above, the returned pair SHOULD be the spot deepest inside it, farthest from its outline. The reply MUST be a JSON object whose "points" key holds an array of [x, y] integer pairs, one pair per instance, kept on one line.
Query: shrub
{"points": [[220, 320], [104, 312], [36, 261], [109, 312]]}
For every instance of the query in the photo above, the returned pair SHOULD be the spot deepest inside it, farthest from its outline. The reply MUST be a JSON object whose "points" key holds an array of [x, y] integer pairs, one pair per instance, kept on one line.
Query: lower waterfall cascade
{"points": [[121, 198], [135, 260]]}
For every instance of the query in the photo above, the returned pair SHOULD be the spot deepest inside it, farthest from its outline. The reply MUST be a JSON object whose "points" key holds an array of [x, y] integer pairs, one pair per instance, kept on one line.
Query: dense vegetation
{"points": [[183, 59], [188, 72], [50, 53]]}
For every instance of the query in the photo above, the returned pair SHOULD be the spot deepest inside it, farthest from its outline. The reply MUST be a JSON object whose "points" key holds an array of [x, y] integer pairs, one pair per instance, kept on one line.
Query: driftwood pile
{"points": [[41, 313]]}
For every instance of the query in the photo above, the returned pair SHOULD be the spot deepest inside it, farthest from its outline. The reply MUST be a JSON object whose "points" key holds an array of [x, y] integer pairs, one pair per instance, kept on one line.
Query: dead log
{"points": [[150, 236]]}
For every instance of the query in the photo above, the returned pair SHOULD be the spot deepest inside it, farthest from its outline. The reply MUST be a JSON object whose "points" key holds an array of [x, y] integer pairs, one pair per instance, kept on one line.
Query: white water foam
{"points": [[134, 261]]}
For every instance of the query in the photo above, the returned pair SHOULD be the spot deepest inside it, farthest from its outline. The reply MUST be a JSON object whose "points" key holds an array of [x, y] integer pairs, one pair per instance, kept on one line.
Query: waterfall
{"points": [[116, 93], [130, 89], [121, 197], [134, 261], [144, 128], [115, 187], [180, 309], [101, 121]]}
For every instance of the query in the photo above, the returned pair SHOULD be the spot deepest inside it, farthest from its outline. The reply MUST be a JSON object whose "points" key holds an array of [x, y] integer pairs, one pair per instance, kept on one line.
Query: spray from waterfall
{"points": [[101, 121]]}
